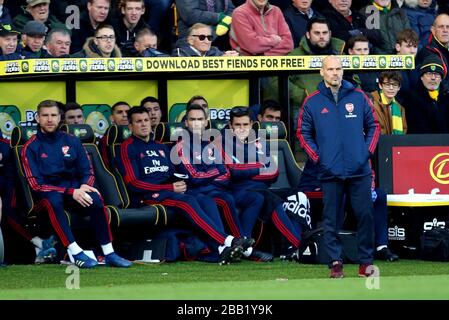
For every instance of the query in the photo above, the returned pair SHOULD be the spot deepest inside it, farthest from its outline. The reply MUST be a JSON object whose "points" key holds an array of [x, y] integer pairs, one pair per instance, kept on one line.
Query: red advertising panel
{"points": [[420, 168]]}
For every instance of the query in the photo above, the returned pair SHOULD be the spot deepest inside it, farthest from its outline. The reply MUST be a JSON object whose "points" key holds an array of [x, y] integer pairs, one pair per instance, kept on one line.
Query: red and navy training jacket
{"points": [[250, 163], [202, 162], [145, 166], [56, 162]]}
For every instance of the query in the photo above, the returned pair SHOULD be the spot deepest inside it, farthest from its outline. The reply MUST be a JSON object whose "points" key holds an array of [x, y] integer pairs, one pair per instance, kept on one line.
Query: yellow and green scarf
{"points": [[382, 9], [396, 116]]}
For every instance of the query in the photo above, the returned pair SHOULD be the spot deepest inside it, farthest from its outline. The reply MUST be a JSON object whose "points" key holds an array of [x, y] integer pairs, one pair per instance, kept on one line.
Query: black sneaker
{"points": [[260, 256], [231, 254], [292, 254], [386, 254], [244, 242]]}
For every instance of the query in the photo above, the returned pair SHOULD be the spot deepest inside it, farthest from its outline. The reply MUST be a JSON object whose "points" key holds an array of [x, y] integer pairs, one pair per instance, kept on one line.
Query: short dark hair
{"points": [[122, 3], [194, 106], [120, 103], [72, 106], [48, 104], [104, 26], [390, 75], [92, 1], [148, 99], [408, 36], [135, 110], [359, 38], [269, 104], [196, 98], [239, 111], [320, 20]]}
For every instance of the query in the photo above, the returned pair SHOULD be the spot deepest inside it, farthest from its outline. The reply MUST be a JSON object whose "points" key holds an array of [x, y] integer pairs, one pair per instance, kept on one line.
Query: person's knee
{"points": [[97, 201], [255, 197]]}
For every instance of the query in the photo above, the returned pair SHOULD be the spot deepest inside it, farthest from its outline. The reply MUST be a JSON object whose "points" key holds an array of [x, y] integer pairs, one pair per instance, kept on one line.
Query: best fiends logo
{"points": [[438, 169]]}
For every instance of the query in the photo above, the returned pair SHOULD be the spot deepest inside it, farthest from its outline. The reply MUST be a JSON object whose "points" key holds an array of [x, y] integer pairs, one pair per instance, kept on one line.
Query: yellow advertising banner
{"points": [[203, 64]]}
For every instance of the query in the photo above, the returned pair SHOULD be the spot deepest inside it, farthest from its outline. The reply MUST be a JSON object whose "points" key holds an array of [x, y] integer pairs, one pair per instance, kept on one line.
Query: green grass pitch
{"points": [[406, 279]]}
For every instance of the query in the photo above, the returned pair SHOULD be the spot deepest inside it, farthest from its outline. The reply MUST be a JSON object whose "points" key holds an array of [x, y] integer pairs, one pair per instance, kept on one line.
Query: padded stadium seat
{"points": [[166, 132], [28, 206], [19, 136], [289, 171], [110, 139], [146, 217]]}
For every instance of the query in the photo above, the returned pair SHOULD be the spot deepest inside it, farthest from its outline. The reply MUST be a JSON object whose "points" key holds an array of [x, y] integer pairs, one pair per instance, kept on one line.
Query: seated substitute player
{"points": [[253, 169], [149, 175], [60, 174], [201, 161]]}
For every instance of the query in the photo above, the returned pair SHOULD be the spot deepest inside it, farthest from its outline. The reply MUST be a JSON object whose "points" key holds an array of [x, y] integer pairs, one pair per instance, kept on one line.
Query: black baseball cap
{"points": [[7, 29]]}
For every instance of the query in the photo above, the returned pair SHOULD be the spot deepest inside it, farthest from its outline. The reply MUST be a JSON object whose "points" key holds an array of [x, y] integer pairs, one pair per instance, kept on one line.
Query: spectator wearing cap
{"points": [[33, 39], [5, 17], [58, 43], [438, 42], [37, 10], [199, 44], [426, 105], [8, 43]]}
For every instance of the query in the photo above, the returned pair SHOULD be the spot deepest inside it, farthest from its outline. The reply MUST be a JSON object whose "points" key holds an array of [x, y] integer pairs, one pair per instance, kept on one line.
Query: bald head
{"points": [[440, 29], [332, 72]]}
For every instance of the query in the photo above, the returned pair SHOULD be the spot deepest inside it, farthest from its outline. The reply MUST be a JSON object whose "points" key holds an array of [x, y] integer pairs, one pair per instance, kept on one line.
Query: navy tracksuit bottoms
{"points": [[358, 190], [200, 210], [55, 203]]}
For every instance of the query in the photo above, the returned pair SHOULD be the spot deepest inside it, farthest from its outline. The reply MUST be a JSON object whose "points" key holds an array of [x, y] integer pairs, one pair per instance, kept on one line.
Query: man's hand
{"points": [[231, 53], [82, 197], [276, 38], [179, 187], [87, 188]]}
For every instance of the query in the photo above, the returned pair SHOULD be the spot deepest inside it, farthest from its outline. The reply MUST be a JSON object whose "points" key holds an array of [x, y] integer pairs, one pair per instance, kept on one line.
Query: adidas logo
{"points": [[44, 156], [80, 263], [298, 204], [324, 110]]}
